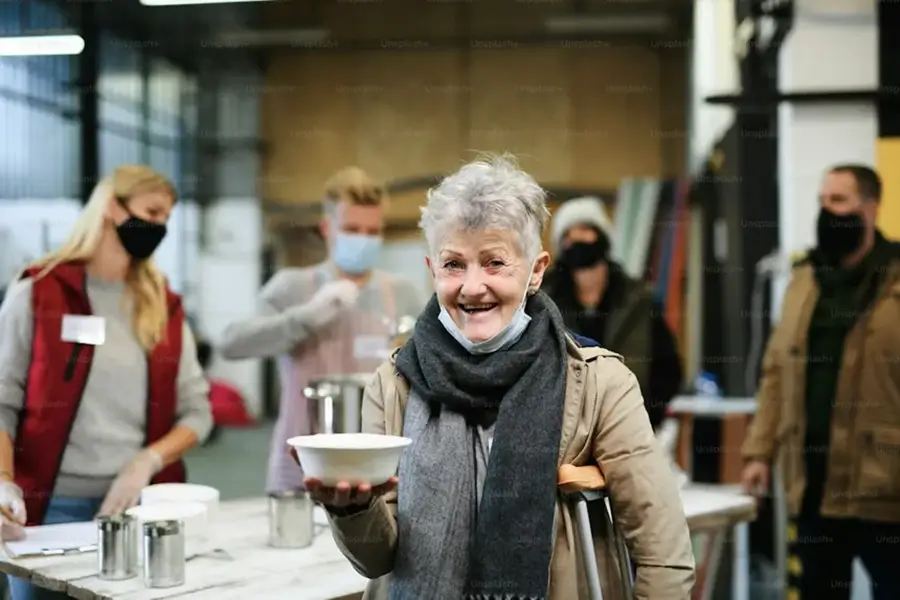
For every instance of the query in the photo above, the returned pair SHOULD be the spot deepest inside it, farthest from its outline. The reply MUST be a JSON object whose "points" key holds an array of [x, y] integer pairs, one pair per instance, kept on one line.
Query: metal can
{"points": [[290, 520], [116, 547], [164, 555]]}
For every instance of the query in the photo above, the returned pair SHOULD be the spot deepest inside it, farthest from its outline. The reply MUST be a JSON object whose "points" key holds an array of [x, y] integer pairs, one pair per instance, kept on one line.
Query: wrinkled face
{"points": [[481, 278], [155, 207]]}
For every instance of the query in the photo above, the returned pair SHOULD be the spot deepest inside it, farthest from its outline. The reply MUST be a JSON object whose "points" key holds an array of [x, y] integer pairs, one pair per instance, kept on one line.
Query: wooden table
{"points": [[319, 572], [733, 413], [254, 570], [716, 511]]}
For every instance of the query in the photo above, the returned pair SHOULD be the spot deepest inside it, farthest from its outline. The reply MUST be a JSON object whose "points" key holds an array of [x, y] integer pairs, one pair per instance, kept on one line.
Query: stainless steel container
{"points": [[116, 547], [335, 402], [290, 520], [164, 555], [404, 330]]}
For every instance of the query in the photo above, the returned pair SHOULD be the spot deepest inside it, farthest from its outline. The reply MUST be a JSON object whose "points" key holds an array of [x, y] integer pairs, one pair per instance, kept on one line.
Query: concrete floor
{"points": [[235, 463]]}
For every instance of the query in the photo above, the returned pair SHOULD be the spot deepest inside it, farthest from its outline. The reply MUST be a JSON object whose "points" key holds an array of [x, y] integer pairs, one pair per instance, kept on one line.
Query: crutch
{"points": [[579, 486]]}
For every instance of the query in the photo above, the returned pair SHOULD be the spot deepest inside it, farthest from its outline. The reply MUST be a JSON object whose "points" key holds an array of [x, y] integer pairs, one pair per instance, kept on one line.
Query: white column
{"points": [[714, 71], [833, 46], [230, 262]]}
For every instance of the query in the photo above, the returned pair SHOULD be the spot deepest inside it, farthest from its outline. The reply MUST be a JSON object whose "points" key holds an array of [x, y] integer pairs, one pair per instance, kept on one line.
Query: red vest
{"points": [[56, 378]]}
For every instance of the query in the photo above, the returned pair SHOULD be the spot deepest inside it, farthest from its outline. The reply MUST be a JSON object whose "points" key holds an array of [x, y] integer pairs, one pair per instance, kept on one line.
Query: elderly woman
{"points": [[496, 395]]}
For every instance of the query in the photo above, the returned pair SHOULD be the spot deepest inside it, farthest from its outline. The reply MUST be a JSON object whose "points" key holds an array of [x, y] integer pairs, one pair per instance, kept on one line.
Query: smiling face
{"points": [[481, 278]]}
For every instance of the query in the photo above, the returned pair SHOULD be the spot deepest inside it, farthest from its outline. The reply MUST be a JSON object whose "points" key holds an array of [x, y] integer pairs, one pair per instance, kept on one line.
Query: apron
{"points": [[348, 345]]}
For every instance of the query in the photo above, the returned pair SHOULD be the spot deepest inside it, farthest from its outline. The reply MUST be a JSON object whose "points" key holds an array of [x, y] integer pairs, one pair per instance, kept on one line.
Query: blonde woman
{"points": [[100, 389]]}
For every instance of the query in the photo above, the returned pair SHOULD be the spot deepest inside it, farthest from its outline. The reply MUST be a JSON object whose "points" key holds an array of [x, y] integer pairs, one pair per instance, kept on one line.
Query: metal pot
{"points": [[335, 402], [405, 326]]}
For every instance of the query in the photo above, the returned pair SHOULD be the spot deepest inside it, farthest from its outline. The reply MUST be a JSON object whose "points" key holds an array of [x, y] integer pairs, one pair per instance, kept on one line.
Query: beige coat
{"points": [[605, 423], [864, 453]]}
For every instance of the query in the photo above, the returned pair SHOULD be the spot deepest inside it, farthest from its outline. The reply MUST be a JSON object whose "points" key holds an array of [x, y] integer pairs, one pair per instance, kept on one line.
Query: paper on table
{"points": [[55, 539]]}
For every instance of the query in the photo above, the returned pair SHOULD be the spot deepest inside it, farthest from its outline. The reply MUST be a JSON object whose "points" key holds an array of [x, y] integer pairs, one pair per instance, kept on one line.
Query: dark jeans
{"points": [[821, 553], [60, 510]]}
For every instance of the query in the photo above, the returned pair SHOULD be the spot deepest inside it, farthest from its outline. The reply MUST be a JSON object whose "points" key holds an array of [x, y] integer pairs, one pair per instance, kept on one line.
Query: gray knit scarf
{"points": [[451, 547]]}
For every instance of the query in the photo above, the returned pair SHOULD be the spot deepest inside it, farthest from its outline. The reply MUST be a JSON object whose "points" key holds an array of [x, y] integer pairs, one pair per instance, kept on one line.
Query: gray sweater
{"points": [[110, 426], [282, 318]]}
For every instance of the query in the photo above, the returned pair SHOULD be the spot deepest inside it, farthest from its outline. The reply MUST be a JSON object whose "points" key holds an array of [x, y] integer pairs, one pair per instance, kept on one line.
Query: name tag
{"points": [[371, 347], [83, 329]]}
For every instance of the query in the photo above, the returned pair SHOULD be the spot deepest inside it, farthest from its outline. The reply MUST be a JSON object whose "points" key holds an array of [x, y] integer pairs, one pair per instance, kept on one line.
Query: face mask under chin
{"points": [[508, 335]]}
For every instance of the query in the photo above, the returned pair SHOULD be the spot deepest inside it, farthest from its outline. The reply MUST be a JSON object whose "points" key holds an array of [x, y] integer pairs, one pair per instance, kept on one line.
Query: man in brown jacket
{"points": [[829, 399]]}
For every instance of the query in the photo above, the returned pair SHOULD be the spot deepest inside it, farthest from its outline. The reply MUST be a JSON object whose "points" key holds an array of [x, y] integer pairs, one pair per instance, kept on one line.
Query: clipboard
{"points": [[55, 540]]}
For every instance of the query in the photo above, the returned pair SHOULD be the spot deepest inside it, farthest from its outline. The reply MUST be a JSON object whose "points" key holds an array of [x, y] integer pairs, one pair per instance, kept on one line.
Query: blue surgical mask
{"points": [[505, 338], [355, 253]]}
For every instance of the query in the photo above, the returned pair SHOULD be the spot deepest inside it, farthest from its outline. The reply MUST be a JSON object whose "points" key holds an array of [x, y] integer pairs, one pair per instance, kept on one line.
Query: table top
{"points": [[716, 506], [252, 569], [705, 406]]}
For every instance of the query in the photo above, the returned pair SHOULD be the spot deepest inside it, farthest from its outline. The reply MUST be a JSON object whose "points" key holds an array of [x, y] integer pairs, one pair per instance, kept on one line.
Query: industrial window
{"points": [[120, 91], [120, 85], [37, 104]]}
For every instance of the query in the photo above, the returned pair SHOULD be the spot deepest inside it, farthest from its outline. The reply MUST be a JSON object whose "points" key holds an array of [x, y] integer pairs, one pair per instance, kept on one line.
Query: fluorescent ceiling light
{"points": [[191, 2], [41, 45], [612, 23]]}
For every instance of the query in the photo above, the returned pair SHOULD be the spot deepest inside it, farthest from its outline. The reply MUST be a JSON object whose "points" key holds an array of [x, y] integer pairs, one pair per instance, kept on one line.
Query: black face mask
{"points": [[140, 237], [839, 235], [583, 255]]}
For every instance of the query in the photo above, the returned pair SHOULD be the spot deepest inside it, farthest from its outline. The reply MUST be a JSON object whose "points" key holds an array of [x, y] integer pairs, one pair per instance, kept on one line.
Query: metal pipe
{"points": [[88, 99]]}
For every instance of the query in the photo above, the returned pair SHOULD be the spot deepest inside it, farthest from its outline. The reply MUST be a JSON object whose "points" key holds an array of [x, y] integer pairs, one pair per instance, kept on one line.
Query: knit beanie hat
{"points": [[587, 210]]}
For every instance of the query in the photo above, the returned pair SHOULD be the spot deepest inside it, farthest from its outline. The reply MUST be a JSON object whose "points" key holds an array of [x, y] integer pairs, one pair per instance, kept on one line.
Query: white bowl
{"points": [[192, 514], [183, 492], [352, 457]]}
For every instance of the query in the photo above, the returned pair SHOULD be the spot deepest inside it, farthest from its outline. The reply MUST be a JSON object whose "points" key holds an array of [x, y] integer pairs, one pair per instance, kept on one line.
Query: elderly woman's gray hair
{"points": [[493, 193]]}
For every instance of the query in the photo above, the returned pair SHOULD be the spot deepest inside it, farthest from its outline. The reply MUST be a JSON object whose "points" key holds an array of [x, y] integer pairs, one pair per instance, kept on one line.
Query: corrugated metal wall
{"points": [[146, 111], [39, 127]]}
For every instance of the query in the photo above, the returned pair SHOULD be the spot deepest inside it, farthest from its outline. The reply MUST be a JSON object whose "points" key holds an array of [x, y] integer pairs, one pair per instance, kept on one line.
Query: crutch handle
{"points": [[580, 479]]}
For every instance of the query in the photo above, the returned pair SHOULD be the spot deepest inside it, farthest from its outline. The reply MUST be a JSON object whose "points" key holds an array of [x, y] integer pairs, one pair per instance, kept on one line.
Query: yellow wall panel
{"points": [[585, 117], [309, 108], [520, 103], [889, 169]]}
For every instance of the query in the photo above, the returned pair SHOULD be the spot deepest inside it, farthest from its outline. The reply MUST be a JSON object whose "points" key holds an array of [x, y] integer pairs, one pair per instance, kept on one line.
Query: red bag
{"points": [[228, 407]]}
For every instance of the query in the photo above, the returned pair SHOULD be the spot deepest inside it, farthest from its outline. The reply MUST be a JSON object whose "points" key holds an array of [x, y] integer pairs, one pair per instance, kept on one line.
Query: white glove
{"points": [[332, 299], [126, 488], [12, 502]]}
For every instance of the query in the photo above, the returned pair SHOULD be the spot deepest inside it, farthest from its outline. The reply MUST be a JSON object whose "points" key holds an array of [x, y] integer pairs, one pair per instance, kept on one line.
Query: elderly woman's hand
{"points": [[343, 497]]}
